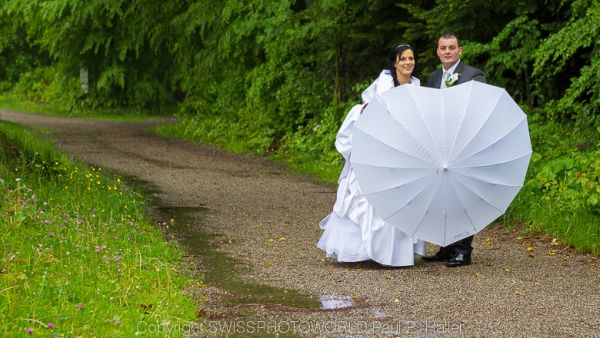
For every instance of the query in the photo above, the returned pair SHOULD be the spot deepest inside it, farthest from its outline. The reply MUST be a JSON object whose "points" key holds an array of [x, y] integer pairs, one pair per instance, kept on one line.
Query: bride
{"points": [[353, 231]]}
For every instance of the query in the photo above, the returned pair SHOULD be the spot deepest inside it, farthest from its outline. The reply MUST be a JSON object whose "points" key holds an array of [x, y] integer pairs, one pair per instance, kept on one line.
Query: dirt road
{"points": [[267, 217]]}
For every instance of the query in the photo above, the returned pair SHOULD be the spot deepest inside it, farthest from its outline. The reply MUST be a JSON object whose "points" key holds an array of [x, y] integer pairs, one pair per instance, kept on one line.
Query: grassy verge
{"points": [[14, 102], [576, 229], [79, 258], [305, 163], [561, 195]]}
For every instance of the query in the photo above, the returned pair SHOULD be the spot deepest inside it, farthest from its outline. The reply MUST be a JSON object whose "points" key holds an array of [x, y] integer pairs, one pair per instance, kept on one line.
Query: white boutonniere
{"points": [[452, 80]]}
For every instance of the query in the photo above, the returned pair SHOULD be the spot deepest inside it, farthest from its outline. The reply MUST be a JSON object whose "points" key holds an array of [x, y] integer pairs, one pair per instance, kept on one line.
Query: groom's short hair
{"points": [[450, 35]]}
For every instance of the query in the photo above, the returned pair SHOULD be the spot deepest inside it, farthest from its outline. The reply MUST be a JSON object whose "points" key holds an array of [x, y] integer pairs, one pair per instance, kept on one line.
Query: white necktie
{"points": [[445, 78]]}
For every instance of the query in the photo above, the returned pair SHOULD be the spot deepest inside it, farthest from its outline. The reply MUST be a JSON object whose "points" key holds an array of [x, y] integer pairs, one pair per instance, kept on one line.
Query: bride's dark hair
{"points": [[395, 52]]}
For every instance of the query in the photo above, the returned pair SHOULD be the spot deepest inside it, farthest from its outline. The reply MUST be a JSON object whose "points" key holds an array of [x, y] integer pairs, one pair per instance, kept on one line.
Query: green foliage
{"points": [[16, 56], [473, 20], [79, 258], [276, 77], [274, 66], [561, 195], [121, 44], [572, 182], [577, 42], [21, 98], [510, 56]]}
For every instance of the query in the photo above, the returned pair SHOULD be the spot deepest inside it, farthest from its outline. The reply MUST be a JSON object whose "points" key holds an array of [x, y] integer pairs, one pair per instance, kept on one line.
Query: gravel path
{"points": [[268, 218]]}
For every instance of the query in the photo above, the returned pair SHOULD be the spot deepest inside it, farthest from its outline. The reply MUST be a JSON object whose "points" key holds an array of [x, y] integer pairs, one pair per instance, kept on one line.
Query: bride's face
{"points": [[405, 62]]}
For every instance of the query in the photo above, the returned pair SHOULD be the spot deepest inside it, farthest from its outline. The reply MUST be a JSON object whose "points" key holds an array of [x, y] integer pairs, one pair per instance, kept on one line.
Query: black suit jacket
{"points": [[467, 73]]}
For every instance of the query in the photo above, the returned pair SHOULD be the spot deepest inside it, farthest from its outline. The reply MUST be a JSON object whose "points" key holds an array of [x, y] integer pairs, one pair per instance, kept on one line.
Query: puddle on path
{"points": [[331, 302], [223, 271]]}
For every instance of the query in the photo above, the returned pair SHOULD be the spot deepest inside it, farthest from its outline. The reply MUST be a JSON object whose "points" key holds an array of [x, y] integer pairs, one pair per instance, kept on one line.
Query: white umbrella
{"points": [[441, 164]]}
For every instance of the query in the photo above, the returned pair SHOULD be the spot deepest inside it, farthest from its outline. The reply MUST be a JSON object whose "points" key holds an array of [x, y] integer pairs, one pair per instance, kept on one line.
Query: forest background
{"points": [[276, 78]]}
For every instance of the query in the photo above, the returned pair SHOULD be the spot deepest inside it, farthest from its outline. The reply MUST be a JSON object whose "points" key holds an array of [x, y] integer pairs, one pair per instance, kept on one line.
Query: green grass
{"points": [[323, 171], [562, 188], [533, 214], [79, 257], [13, 102]]}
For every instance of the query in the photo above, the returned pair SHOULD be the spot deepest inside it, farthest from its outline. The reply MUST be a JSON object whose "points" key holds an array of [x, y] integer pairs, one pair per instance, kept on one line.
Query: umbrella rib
{"points": [[466, 210], [439, 156], [476, 193], [423, 176], [446, 208], [488, 182], [409, 199], [444, 147], [412, 198], [455, 166], [478, 130], [450, 147], [456, 169], [420, 222], [490, 145], [413, 136], [395, 149]]}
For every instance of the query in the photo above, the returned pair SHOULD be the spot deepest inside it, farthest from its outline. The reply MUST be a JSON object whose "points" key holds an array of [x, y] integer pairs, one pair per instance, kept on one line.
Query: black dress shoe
{"points": [[438, 257], [459, 260]]}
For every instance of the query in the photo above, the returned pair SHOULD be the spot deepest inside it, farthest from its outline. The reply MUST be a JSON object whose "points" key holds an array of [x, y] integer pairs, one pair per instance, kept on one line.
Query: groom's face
{"points": [[448, 51]]}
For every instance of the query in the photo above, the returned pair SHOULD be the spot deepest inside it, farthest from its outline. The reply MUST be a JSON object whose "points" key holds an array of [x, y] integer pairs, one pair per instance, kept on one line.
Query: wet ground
{"points": [[250, 228]]}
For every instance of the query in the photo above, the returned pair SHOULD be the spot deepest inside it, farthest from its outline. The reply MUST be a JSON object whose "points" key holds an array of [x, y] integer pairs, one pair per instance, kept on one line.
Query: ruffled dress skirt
{"points": [[354, 233]]}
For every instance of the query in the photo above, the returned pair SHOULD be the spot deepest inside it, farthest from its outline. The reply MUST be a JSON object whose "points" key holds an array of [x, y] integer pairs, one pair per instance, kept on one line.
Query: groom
{"points": [[452, 72]]}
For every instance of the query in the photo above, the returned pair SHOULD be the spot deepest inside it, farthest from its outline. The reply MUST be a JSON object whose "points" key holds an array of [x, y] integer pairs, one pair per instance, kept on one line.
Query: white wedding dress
{"points": [[353, 232]]}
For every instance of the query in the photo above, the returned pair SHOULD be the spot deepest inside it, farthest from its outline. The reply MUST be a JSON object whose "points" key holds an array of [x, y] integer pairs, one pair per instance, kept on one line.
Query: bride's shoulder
{"points": [[415, 81], [383, 82], [385, 74]]}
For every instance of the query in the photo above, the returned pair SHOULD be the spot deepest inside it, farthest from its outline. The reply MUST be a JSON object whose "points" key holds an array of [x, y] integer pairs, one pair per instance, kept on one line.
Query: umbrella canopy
{"points": [[441, 164]]}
